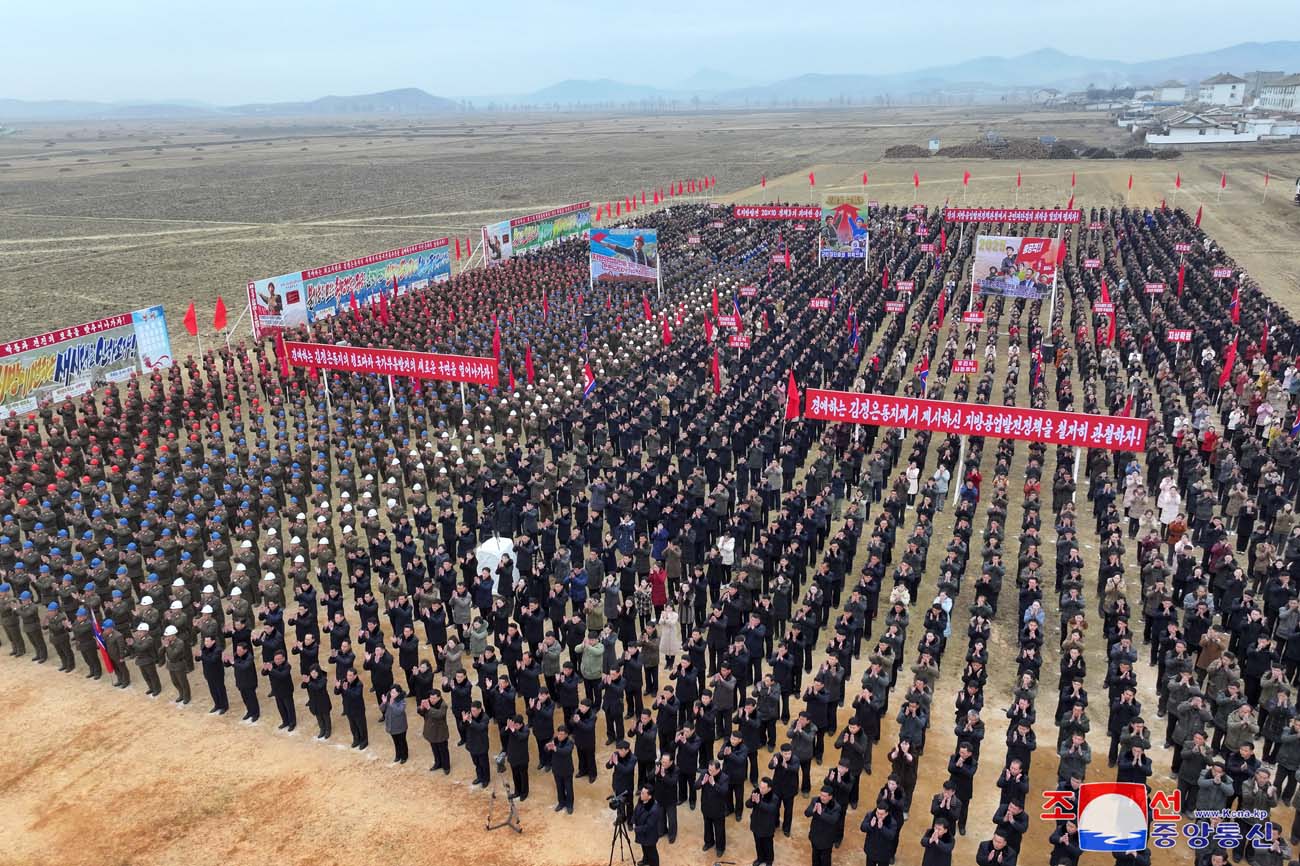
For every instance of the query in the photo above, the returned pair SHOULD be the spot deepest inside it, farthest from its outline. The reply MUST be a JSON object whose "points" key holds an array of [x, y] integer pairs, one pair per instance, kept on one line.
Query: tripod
{"points": [[512, 816], [623, 842]]}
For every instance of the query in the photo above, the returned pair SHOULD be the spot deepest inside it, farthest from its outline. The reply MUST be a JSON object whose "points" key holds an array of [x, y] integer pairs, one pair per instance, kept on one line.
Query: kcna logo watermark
{"points": [[1119, 816]]}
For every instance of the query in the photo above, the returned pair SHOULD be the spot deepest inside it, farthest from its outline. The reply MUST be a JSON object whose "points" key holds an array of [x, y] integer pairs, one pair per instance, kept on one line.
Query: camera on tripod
{"points": [[622, 809]]}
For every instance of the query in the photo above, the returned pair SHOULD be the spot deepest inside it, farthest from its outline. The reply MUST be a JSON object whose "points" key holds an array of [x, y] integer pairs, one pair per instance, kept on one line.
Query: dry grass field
{"points": [[164, 213], [99, 219]]}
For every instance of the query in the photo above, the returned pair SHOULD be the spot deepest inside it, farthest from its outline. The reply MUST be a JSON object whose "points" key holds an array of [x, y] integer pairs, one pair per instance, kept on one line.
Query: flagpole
{"points": [[390, 392]]}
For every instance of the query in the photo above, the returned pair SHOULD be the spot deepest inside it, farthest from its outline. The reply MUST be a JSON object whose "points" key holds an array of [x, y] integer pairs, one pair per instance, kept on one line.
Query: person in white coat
{"points": [[670, 635], [727, 553]]}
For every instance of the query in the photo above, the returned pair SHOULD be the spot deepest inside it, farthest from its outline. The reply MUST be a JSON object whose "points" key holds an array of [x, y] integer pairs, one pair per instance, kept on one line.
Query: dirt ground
{"points": [[106, 777]]}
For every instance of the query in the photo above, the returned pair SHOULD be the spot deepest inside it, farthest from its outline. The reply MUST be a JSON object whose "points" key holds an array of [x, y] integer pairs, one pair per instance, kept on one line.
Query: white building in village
{"points": [[1222, 89], [1280, 95], [1171, 91]]}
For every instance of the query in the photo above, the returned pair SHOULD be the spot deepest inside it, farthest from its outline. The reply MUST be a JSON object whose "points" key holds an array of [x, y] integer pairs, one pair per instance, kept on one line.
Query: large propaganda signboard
{"points": [[307, 296], [775, 212], [624, 256], [1011, 215], [844, 227], [966, 419], [510, 238], [393, 362], [71, 361], [1015, 267]]}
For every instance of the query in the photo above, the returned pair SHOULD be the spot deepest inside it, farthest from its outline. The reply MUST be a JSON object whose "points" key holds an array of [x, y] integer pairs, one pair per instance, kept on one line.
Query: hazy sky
{"points": [[233, 51]]}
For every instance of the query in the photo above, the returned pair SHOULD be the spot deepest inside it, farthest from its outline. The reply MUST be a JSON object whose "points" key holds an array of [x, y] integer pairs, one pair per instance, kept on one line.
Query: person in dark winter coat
{"points": [[646, 818], [433, 710]]}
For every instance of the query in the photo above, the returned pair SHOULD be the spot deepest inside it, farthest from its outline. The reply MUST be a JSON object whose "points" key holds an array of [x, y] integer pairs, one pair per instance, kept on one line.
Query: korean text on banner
{"points": [[510, 238], [844, 227], [1014, 267], [775, 212], [71, 361], [394, 362], [1012, 215], [319, 293], [966, 419], [625, 256]]}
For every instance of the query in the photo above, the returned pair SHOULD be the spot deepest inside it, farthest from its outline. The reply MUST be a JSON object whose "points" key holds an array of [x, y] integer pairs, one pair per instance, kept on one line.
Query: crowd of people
{"points": [[699, 594]]}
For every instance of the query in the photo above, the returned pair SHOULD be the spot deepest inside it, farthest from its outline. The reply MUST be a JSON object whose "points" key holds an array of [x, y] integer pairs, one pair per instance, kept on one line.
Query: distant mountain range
{"points": [[408, 101], [985, 79]]}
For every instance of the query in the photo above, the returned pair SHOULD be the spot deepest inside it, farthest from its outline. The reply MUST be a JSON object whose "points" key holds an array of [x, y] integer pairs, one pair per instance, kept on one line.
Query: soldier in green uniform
{"points": [[59, 629], [29, 616], [115, 644], [145, 649], [176, 654], [83, 634], [9, 620]]}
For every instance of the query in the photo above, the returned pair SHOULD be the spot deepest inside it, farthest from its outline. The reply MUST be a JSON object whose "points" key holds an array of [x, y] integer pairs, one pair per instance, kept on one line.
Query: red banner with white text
{"points": [[967, 419], [1010, 215], [394, 362], [776, 212]]}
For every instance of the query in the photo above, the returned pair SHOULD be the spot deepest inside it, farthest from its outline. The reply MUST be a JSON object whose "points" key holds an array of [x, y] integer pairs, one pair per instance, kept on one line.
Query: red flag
{"points": [[916, 180], [356, 309], [965, 178], [645, 307], [219, 315], [496, 342], [1017, 178], [546, 307], [469, 246], [1235, 306], [943, 239], [715, 302], [1178, 180], [1072, 179], [717, 374], [618, 208], [1199, 208], [763, 182], [510, 373], [812, 179], [884, 278], [1070, 205], [864, 178], [383, 307], [791, 398], [1060, 253], [708, 330], [1182, 276], [643, 197], [1130, 182], [1229, 361], [679, 187], [766, 326], [1127, 411], [1223, 181], [1265, 180], [668, 335], [1263, 340], [528, 363], [191, 321], [282, 353], [457, 249], [609, 305]]}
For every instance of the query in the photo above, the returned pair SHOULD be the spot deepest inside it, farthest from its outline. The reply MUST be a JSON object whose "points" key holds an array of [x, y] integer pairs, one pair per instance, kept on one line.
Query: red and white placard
{"points": [[393, 362], [966, 419]]}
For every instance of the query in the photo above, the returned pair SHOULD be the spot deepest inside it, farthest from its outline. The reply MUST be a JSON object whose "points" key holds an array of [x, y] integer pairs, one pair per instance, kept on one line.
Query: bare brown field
{"points": [[98, 219]]}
